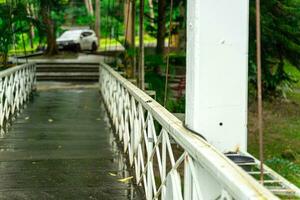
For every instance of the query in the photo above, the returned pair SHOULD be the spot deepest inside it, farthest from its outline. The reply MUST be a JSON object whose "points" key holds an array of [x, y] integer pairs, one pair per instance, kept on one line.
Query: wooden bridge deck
{"points": [[61, 147]]}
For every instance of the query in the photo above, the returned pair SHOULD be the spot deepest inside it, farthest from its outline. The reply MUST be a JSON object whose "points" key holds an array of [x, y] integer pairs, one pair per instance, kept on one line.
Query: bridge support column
{"points": [[217, 71]]}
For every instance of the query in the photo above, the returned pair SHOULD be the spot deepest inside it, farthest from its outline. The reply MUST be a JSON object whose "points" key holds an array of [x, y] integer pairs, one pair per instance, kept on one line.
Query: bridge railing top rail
{"points": [[233, 179], [12, 70]]}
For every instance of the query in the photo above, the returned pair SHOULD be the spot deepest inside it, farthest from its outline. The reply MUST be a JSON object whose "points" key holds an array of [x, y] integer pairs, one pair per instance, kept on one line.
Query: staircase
{"points": [[272, 181], [67, 71]]}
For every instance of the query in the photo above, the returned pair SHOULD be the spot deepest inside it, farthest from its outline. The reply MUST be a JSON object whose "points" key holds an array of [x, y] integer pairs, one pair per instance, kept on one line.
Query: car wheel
{"points": [[94, 47], [78, 48]]}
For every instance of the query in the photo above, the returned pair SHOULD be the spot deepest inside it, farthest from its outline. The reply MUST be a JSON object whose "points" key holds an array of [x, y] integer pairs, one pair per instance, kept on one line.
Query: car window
{"points": [[70, 34], [86, 34]]}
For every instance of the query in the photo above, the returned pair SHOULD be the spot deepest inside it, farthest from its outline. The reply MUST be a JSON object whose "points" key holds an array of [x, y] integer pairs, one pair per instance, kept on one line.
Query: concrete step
{"points": [[67, 71], [76, 68], [83, 74], [67, 79], [65, 63]]}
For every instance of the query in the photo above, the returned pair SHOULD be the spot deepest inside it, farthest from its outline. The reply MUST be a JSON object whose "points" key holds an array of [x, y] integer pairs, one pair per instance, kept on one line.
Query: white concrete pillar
{"points": [[217, 71]]}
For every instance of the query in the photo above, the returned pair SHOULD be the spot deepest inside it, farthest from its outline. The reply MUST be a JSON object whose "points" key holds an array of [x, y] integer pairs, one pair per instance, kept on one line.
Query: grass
{"points": [[295, 73], [108, 42], [281, 132], [113, 42]]}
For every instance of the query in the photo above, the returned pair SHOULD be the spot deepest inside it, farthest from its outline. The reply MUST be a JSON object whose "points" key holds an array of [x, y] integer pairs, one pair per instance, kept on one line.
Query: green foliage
{"points": [[157, 83], [293, 71], [71, 16], [112, 15], [176, 106], [155, 66], [178, 59], [6, 30], [280, 43], [77, 16], [177, 16], [157, 63], [286, 168], [154, 61], [13, 20]]}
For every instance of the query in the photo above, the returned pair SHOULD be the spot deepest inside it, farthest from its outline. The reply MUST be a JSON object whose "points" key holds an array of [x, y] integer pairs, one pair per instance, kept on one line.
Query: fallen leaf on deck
{"points": [[112, 174], [26, 118], [124, 180], [50, 120]]}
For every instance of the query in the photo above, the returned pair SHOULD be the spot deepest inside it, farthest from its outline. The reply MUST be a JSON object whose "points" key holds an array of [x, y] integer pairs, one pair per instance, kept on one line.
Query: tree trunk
{"points": [[161, 27], [50, 30], [4, 58], [150, 2], [51, 40], [89, 6], [128, 23], [133, 59], [141, 47], [31, 30], [182, 29], [97, 19], [86, 2]]}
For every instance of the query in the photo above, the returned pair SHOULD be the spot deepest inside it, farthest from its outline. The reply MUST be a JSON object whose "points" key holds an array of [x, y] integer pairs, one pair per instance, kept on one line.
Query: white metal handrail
{"points": [[170, 161], [16, 85]]}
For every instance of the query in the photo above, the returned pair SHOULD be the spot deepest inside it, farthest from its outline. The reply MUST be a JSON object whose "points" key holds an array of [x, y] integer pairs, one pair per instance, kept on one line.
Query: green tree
{"points": [[157, 24], [14, 20], [280, 43], [46, 7], [161, 26]]}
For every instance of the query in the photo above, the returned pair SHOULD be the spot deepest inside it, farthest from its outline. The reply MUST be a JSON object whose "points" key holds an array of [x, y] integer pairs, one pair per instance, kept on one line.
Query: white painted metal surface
{"points": [[16, 85], [170, 162], [217, 64]]}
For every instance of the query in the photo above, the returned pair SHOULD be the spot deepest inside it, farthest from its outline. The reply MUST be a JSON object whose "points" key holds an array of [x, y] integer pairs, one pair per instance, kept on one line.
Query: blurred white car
{"points": [[78, 40]]}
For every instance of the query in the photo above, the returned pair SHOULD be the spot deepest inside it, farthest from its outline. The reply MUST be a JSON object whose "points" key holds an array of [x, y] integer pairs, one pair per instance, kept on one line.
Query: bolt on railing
{"points": [[169, 161], [16, 85]]}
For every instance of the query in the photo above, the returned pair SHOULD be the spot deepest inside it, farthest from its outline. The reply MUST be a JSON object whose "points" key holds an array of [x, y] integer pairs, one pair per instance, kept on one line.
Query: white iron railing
{"points": [[169, 161], [16, 85]]}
